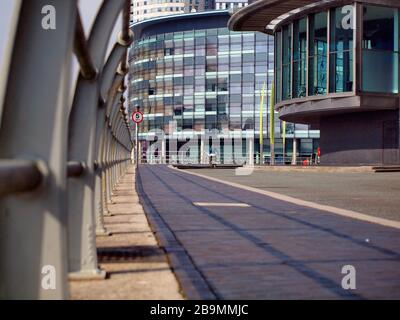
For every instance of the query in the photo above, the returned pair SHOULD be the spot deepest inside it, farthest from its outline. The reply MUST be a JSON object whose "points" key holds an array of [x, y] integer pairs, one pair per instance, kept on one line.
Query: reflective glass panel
{"points": [[286, 62], [299, 58], [380, 50], [318, 54], [341, 50], [278, 63]]}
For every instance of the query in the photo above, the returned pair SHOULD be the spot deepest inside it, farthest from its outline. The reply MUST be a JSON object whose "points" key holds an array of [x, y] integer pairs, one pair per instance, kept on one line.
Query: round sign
{"points": [[138, 117]]}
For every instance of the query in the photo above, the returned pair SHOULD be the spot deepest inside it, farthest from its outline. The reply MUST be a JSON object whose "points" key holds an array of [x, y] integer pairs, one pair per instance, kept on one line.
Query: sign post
{"points": [[137, 118], [137, 145]]}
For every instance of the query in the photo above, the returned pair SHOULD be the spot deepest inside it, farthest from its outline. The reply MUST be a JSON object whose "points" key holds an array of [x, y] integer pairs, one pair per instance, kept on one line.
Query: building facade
{"points": [[337, 68], [147, 9], [190, 75], [230, 4]]}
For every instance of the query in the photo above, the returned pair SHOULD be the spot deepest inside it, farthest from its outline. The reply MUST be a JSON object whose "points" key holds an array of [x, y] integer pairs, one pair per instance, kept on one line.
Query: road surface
{"points": [[228, 243]]}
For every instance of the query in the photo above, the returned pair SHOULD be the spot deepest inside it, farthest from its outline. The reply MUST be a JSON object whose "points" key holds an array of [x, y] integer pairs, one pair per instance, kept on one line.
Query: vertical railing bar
{"points": [[81, 49]]}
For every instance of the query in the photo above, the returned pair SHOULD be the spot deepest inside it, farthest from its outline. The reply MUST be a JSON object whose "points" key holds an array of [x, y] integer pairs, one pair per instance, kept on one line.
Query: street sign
{"points": [[138, 117]]}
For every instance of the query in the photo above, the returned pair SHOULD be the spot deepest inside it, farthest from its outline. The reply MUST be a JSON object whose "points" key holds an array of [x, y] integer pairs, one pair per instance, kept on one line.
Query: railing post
{"points": [[100, 183], [82, 134], [104, 178], [33, 226], [109, 167], [109, 92]]}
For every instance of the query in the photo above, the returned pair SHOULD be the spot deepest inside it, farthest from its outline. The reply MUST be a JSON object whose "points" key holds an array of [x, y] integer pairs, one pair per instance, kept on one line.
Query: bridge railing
{"points": [[60, 162]]}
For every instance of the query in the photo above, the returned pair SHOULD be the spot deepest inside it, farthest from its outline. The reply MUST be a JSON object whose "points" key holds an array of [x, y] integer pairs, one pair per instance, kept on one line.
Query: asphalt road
{"points": [[376, 194], [265, 248]]}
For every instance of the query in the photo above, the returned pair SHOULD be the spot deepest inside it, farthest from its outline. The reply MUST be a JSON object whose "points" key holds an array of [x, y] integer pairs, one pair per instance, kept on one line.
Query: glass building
{"points": [[192, 72], [147, 9], [337, 68]]}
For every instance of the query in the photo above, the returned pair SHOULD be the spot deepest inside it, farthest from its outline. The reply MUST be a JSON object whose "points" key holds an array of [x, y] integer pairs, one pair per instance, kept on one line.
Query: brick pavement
{"points": [[137, 267], [272, 250]]}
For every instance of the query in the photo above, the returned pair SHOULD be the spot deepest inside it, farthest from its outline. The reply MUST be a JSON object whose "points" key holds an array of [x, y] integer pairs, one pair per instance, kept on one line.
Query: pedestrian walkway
{"points": [[229, 243], [137, 268]]}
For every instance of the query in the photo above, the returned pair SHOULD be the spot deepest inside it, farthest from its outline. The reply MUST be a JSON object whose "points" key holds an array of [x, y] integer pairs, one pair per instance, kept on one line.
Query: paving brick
{"points": [[270, 250], [136, 265]]}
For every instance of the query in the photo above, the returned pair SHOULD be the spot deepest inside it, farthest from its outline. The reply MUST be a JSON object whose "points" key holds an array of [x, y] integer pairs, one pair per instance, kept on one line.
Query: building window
{"points": [[380, 49], [299, 58], [211, 85], [341, 51], [286, 62], [317, 82]]}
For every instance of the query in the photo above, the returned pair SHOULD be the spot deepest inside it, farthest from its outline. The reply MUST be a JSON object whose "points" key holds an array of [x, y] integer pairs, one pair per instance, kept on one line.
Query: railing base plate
{"points": [[84, 275], [102, 233]]}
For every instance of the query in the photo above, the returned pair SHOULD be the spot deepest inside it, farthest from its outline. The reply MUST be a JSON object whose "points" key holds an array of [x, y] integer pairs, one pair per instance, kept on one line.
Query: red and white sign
{"points": [[138, 117]]}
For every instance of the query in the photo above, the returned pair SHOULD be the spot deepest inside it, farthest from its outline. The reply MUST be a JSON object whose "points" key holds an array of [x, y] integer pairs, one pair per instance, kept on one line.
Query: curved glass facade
{"points": [[315, 54], [202, 79], [338, 67], [210, 79]]}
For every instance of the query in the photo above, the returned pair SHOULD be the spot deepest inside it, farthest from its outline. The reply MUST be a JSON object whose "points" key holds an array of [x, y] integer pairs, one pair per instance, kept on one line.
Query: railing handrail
{"points": [[19, 176]]}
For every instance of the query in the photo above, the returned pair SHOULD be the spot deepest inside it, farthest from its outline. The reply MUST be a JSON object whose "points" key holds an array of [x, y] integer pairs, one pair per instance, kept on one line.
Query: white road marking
{"points": [[220, 204]]}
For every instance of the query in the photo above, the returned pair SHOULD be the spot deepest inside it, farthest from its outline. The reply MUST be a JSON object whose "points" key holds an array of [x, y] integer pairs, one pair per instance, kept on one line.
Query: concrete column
{"points": [[250, 148], [140, 151], [163, 151], [202, 150], [294, 156]]}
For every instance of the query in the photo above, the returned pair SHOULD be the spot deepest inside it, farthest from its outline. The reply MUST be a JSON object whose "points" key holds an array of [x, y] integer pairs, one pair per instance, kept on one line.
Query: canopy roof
{"points": [[258, 15], [265, 15]]}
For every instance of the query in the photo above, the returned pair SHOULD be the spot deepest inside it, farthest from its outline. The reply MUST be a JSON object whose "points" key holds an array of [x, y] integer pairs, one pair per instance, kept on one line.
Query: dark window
{"points": [[169, 51], [299, 58], [286, 62], [278, 64], [318, 54], [380, 49]]}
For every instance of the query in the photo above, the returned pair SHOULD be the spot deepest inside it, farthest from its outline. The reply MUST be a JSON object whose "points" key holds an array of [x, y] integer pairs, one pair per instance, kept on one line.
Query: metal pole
{"points": [[33, 226], [137, 145]]}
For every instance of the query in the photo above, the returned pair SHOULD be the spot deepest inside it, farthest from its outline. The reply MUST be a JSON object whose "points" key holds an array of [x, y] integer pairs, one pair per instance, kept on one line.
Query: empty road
{"points": [[228, 243]]}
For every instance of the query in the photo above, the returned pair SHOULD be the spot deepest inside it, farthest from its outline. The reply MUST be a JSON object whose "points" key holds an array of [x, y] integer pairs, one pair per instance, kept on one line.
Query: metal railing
{"points": [[60, 163], [228, 158], [299, 160]]}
